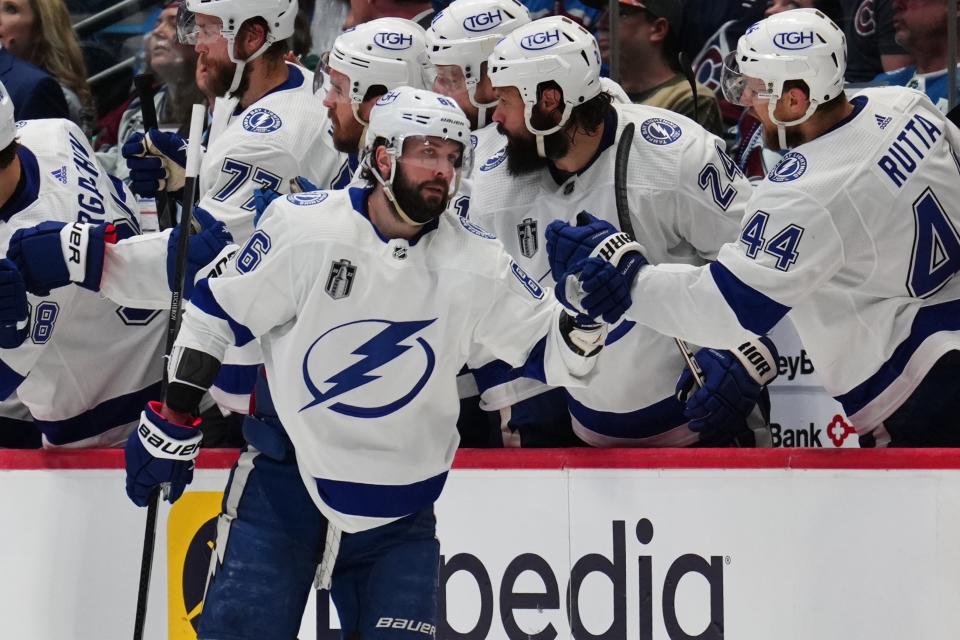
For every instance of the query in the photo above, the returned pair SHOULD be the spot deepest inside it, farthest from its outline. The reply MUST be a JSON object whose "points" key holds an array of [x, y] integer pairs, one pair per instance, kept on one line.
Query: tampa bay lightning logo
{"points": [[307, 199], [262, 121], [791, 166], [403, 363], [495, 160], [659, 131]]}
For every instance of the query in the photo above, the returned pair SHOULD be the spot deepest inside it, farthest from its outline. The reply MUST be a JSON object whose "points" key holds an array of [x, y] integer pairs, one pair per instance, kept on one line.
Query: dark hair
{"points": [[374, 91], [588, 115], [8, 154], [366, 173], [275, 51], [830, 105]]}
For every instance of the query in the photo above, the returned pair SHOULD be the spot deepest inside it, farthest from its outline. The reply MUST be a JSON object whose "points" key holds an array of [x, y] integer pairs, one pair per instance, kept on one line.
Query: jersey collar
{"points": [[359, 197], [294, 80], [27, 189], [606, 140], [858, 102]]}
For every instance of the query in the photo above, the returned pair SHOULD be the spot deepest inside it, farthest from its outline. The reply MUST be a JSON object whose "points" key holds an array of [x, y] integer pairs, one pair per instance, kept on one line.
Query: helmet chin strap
{"points": [[388, 190], [355, 107], [482, 107], [782, 125], [541, 133], [241, 64]]}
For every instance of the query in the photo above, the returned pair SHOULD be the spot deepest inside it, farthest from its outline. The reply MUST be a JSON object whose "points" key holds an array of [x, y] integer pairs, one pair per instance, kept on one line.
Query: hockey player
{"points": [[81, 364], [853, 233], [685, 199], [367, 302]]}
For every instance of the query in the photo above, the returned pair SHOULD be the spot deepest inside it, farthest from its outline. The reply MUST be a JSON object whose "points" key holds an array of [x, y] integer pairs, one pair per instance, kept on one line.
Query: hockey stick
{"points": [[954, 116], [623, 216], [197, 119], [148, 111]]}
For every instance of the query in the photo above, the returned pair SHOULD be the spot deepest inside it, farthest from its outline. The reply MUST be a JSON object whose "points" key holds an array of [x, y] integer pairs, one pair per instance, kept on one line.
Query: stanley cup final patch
{"points": [[340, 279], [527, 236]]}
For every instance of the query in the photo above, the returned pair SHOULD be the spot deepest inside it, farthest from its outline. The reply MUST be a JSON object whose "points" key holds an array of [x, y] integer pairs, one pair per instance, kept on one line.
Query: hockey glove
{"points": [[263, 198], [732, 382], [202, 250], [160, 453], [568, 244], [53, 254], [598, 289], [14, 310], [157, 162]]}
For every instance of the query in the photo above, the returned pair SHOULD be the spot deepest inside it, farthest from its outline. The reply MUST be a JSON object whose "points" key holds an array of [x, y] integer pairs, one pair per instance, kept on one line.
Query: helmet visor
{"points": [[321, 75], [739, 88], [449, 80], [436, 155], [189, 32]]}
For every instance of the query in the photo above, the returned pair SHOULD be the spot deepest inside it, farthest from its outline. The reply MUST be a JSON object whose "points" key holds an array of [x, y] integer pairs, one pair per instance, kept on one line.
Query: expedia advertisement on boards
{"points": [[649, 555]]}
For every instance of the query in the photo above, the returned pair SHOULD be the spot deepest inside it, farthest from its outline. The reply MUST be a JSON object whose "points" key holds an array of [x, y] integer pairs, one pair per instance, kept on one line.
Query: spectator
{"points": [[40, 32], [648, 32], [871, 48], [419, 11], [174, 65], [34, 93], [920, 27]]}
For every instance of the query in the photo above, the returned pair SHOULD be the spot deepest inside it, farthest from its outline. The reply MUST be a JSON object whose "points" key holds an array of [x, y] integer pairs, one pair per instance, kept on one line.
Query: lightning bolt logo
{"points": [[386, 346]]}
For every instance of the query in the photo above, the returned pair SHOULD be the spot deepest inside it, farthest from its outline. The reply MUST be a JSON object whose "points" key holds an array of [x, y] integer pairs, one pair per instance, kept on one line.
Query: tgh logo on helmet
{"points": [[393, 41], [542, 40], [794, 40], [483, 21]]}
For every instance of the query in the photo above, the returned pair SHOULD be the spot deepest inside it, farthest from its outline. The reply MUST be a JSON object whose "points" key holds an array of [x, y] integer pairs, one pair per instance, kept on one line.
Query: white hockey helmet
{"points": [[280, 16], [390, 52], [464, 35], [554, 48], [802, 44], [8, 126], [407, 113]]}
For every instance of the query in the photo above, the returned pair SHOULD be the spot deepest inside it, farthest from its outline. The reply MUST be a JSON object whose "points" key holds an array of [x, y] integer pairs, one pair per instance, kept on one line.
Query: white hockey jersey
{"points": [[88, 365], [686, 198], [854, 234], [363, 338]]}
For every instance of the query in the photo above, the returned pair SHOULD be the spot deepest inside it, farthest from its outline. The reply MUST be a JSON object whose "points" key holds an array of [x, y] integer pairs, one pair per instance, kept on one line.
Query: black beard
{"points": [[414, 205], [522, 156]]}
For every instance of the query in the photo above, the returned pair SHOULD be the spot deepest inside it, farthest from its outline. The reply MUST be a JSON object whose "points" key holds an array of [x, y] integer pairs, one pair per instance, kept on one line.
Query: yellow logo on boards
{"points": [[191, 532]]}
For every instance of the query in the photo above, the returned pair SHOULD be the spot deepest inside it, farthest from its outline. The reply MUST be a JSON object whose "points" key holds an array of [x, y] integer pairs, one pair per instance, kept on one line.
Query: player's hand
{"points": [[732, 383], [598, 289], [157, 162], [302, 185], [53, 254], [160, 453], [568, 244], [14, 310], [203, 248], [263, 198]]}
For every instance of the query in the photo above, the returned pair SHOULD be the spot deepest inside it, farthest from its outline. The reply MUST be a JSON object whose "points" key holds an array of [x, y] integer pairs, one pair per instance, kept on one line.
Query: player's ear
{"points": [[551, 100], [251, 37], [382, 160], [796, 101]]}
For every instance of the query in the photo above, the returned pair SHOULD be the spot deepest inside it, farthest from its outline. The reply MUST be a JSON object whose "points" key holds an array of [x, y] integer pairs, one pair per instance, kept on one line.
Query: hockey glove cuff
{"points": [[53, 254], [160, 453]]}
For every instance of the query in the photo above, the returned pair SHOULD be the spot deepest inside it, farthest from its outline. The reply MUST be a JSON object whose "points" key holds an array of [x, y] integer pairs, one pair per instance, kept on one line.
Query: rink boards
{"points": [[774, 544]]}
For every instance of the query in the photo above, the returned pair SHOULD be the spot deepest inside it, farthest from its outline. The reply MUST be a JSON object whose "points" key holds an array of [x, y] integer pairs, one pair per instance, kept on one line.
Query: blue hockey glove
{"points": [[303, 185], [568, 244], [53, 254], [598, 289], [202, 250], [157, 162], [732, 382], [14, 310], [263, 198], [159, 453]]}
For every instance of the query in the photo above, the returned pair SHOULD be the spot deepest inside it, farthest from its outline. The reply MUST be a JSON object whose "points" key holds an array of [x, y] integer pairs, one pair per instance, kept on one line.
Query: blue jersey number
{"points": [[936, 247], [257, 246], [782, 246], [239, 173], [45, 318], [710, 178]]}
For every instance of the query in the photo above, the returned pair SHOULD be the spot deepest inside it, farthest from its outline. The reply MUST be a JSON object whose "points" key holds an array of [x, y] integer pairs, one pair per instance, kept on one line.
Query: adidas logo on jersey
{"points": [[60, 174], [882, 121]]}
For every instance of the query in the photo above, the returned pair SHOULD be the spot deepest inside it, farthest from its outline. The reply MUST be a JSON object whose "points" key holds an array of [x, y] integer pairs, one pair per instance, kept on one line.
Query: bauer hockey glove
{"points": [[160, 453], [732, 383], [14, 310], [568, 244], [157, 162], [203, 248], [53, 254]]}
